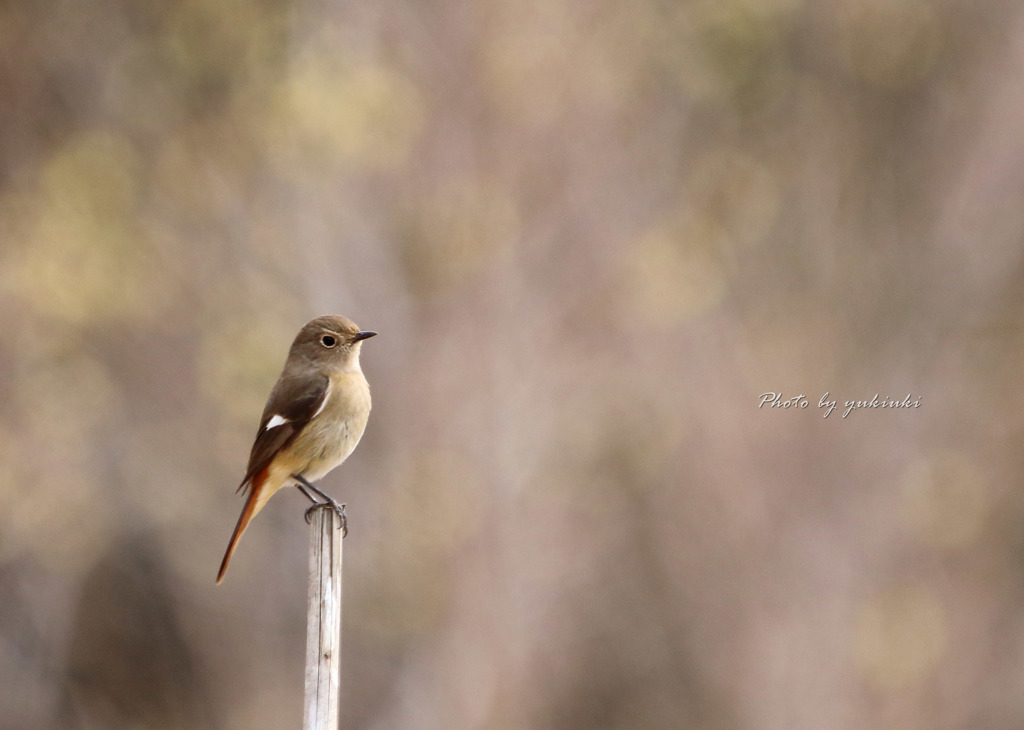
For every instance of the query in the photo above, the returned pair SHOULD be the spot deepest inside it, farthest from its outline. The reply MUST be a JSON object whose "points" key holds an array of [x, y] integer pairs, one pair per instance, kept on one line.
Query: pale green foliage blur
{"points": [[591, 235]]}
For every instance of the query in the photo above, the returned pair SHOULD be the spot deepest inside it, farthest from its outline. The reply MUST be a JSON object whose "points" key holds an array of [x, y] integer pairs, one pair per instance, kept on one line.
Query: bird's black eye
{"points": [[328, 341]]}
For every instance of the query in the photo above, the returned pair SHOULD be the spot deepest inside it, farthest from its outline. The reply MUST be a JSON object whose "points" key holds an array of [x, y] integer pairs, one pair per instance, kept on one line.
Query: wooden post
{"points": [[323, 622]]}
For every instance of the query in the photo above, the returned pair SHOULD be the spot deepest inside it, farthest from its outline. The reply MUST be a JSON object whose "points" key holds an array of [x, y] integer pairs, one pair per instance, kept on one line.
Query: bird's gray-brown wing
{"points": [[291, 405]]}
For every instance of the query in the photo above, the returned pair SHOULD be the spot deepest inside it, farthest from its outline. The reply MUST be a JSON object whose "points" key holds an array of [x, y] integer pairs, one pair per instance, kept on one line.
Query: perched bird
{"points": [[313, 419]]}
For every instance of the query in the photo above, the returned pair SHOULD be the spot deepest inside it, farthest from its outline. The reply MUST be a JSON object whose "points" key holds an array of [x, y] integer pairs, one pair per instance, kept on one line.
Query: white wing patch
{"points": [[275, 422]]}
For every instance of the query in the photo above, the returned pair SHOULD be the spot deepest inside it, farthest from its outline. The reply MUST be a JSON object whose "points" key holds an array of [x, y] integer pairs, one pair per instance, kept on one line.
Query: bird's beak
{"points": [[365, 335]]}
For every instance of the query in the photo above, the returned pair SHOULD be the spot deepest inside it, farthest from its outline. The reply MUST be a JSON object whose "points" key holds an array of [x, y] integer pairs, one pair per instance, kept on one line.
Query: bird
{"points": [[313, 420]]}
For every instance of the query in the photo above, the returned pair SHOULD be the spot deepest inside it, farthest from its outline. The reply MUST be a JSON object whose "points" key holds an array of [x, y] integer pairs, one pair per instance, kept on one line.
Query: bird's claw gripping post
{"points": [[339, 509]]}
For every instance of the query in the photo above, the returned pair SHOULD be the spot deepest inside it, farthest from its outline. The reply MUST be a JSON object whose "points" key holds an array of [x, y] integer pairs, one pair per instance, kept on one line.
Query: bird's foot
{"points": [[339, 509]]}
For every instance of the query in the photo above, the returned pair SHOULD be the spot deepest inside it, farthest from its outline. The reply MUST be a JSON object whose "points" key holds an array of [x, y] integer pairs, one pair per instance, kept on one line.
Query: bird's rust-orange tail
{"points": [[252, 506]]}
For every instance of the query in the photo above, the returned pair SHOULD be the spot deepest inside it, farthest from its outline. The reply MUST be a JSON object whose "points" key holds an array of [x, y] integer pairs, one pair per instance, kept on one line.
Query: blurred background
{"points": [[591, 235]]}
